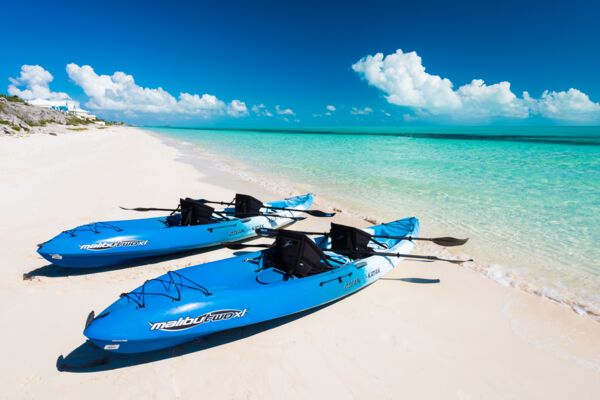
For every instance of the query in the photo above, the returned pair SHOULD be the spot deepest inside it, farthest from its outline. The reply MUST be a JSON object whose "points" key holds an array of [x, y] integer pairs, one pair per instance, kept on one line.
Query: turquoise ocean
{"points": [[527, 197]]}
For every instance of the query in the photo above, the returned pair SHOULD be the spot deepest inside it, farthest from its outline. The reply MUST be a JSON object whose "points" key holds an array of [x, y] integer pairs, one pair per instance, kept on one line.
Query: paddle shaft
{"points": [[315, 213], [238, 246], [444, 241], [312, 212], [378, 253], [220, 212]]}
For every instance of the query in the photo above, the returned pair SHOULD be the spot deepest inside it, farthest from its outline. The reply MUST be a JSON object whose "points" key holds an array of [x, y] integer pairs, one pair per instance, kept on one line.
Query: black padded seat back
{"points": [[349, 239], [195, 212], [246, 206], [297, 255]]}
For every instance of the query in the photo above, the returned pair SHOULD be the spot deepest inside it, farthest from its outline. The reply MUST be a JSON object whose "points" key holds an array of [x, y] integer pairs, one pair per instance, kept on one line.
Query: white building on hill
{"points": [[66, 106]]}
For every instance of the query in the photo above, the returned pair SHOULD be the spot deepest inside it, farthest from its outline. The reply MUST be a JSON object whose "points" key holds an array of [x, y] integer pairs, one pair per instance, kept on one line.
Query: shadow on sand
{"points": [[54, 271], [90, 358]]}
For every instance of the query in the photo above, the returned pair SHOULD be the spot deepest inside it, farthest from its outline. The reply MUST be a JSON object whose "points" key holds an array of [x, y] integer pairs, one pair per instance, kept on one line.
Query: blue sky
{"points": [[304, 56]]}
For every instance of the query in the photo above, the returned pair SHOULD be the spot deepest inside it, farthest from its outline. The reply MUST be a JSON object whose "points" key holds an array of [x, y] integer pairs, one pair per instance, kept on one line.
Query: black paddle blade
{"points": [[147, 209], [266, 232], [456, 261], [449, 241], [134, 209], [433, 258], [296, 218], [319, 213]]}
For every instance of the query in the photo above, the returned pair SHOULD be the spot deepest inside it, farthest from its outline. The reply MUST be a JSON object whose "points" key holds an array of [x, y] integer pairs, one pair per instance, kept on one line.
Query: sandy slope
{"points": [[427, 330]]}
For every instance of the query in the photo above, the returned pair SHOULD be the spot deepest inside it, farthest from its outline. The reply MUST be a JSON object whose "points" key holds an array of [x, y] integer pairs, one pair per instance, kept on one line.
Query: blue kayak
{"points": [[197, 301], [101, 244]]}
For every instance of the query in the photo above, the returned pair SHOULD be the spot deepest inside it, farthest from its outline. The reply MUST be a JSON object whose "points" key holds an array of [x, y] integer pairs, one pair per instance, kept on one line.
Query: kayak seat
{"points": [[350, 240], [296, 255], [246, 206], [195, 212], [173, 220]]}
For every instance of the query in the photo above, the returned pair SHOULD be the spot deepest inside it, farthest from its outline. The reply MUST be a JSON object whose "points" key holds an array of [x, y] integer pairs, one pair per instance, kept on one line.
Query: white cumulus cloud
{"points": [[570, 105], [403, 79], [119, 92], [36, 81], [261, 110], [237, 109], [330, 108], [481, 100], [191, 103], [361, 111], [287, 111]]}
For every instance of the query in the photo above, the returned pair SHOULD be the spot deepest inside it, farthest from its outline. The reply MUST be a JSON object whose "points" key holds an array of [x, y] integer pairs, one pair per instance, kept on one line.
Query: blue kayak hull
{"points": [[194, 302], [102, 244]]}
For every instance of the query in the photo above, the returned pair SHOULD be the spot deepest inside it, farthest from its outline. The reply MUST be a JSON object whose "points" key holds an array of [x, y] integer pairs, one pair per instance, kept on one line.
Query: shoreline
{"points": [[501, 274], [422, 323]]}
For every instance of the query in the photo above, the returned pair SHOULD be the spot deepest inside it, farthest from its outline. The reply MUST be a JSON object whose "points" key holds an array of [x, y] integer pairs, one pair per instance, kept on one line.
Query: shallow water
{"points": [[528, 197]]}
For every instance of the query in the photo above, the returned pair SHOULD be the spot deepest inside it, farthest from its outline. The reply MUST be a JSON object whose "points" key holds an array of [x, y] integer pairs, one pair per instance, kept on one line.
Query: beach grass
{"points": [[14, 99], [15, 127], [79, 121], [42, 122]]}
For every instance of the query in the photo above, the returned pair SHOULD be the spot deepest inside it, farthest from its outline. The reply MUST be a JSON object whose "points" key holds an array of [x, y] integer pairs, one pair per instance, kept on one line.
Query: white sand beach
{"points": [[427, 330]]}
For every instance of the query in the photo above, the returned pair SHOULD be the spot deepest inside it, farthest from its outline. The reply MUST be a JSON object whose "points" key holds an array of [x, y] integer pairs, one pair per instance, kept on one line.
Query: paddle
{"points": [[442, 241], [279, 216], [378, 253], [239, 246], [177, 209], [314, 213], [148, 209]]}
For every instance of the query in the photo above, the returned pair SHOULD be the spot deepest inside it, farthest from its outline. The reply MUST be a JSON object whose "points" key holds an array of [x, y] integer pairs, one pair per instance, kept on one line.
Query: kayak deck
{"points": [[200, 300], [115, 242]]}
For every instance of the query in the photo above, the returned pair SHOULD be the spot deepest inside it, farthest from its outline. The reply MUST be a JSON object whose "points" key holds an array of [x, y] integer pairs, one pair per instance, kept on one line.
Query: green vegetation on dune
{"points": [[15, 127], [17, 114], [42, 122], [106, 122], [14, 99], [79, 121]]}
